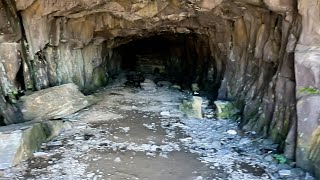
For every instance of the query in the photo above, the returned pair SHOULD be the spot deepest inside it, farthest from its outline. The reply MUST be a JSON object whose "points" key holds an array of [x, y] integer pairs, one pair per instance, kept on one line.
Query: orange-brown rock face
{"points": [[245, 48]]}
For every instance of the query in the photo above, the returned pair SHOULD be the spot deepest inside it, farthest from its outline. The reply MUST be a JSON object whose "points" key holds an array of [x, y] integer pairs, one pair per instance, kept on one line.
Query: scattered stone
{"points": [[199, 178], [268, 158], [149, 81], [195, 87], [285, 173], [244, 141], [78, 138], [148, 85], [84, 148], [125, 129], [210, 139], [55, 143], [117, 159], [226, 110], [284, 166], [90, 175], [192, 108], [232, 132], [39, 154], [176, 87], [216, 145], [267, 142], [151, 126], [165, 113]]}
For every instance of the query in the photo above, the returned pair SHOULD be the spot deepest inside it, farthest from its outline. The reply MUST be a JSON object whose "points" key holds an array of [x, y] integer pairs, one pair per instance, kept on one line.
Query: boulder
{"points": [[195, 87], [284, 173], [176, 87], [192, 108], [226, 110], [19, 141], [308, 139], [148, 85], [53, 103]]}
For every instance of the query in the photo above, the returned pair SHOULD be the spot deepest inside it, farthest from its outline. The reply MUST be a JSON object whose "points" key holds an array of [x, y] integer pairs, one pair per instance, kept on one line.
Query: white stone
{"points": [[284, 173], [244, 141], [90, 175], [216, 145], [232, 132], [148, 85], [85, 147], [125, 129], [165, 113], [176, 87], [39, 154], [117, 159]]}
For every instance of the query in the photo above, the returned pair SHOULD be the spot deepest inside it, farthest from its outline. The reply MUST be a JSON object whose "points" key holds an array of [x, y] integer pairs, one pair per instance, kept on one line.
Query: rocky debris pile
{"points": [[222, 146], [54, 103]]}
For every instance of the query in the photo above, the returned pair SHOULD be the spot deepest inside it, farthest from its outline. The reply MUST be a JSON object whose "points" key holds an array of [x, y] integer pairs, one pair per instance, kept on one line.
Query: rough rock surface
{"points": [[193, 107], [247, 48], [225, 110], [53, 103], [19, 142]]}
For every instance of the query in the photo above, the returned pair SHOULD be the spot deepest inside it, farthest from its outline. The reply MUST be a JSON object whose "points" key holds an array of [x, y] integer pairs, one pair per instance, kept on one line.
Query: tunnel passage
{"points": [[183, 59]]}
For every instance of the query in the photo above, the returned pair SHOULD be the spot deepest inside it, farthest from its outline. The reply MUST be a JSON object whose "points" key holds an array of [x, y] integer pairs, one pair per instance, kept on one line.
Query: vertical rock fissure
{"points": [[255, 52]]}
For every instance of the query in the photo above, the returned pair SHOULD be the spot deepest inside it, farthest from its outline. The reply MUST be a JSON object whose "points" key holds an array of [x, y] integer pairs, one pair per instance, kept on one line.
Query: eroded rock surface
{"points": [[53, 103], [245, 48], [19, 142]]}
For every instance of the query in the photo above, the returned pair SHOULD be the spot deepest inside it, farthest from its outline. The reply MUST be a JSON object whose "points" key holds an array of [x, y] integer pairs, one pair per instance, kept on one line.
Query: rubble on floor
{"points": [[136, 134]]}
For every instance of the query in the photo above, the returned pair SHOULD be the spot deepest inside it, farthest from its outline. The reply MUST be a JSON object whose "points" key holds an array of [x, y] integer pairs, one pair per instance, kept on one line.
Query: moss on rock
{"points": [[226, 110], [99, 77]]}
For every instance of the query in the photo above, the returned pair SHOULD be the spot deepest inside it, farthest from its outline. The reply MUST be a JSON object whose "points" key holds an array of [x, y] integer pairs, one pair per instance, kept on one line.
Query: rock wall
{"points": [[252, 44], [261, 58], [307, 67]]}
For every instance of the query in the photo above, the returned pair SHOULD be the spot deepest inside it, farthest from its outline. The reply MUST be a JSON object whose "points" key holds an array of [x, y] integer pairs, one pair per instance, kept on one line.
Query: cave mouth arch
{"points": [[183, 59]]}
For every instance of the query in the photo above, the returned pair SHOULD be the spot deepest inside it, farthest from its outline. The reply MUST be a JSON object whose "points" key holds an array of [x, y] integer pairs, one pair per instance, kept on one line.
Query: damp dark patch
{"points": [[255, 170], [115, 94]]}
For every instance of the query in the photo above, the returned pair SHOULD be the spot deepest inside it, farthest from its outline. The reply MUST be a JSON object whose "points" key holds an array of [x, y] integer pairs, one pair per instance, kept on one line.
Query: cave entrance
{"points": [[183, 59]]}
